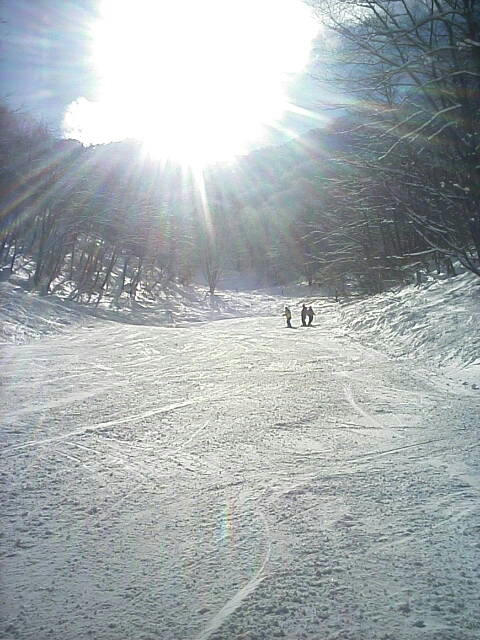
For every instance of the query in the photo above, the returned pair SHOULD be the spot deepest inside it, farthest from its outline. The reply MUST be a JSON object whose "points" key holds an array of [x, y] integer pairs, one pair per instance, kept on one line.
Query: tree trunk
{"points": [[122, 281], [106, 281], [14, 256], [72, 258]]}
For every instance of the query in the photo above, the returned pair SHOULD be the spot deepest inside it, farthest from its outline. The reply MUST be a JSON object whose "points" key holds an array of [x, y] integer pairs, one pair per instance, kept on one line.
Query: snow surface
{"points": [[238, 479]]}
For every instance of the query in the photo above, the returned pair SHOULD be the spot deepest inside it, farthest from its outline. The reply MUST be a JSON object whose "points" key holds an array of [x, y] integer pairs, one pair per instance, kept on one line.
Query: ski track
{"points": [[68, 400], [102, 425], [237, 599], [240, 489], [370, 419]]}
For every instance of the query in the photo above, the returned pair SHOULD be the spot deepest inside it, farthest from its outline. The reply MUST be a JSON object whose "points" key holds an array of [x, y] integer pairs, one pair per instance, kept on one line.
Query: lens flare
{"points": [[196, 81]]}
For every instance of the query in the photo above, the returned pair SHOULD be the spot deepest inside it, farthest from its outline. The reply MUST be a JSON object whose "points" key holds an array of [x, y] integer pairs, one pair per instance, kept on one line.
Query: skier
{"points": [[288, 315], [310, 314], [304, 315]]}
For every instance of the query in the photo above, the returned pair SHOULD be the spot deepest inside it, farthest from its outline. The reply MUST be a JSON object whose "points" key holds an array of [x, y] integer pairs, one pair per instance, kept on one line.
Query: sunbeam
{"points": [[197, 82]]}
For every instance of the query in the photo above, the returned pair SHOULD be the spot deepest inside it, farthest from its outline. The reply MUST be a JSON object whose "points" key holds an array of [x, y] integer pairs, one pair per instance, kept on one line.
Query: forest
{"points": [[389, 190]]}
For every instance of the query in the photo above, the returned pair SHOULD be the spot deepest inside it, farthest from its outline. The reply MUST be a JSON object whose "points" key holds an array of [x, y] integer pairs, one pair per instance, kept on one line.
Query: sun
{"points": [[197, 81]]}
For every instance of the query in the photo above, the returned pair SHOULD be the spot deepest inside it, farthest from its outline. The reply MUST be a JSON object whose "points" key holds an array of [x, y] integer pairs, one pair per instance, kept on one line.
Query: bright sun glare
{"points": [[195, 81]]}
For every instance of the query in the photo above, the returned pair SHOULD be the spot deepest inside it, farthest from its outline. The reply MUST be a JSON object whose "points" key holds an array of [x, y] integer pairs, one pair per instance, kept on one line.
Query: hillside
{"points": [[239, 479], [435, 322]]}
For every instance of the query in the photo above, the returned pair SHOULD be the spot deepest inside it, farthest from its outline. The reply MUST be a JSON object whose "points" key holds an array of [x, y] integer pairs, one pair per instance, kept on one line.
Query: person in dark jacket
{"points": [[304, 315], [310, 314], [288, 315]]}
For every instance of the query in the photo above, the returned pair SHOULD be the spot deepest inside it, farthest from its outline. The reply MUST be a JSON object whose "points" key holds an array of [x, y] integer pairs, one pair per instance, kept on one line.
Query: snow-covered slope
{"points": [[234, 480], [240, 480], [25, 316], [436, 322]]}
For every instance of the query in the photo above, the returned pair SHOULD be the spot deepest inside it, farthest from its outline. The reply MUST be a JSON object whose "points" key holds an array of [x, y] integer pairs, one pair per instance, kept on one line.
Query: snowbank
{"points": [[26, 316], [436, 322]]}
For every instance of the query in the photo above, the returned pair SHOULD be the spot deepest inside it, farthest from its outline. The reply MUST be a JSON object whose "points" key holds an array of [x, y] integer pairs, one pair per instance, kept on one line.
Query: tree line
{"points": [[391, 188], [411, 184]]}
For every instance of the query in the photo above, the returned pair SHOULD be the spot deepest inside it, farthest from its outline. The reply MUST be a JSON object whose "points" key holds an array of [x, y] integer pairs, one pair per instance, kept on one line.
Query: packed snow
{"points": [[168, 476]]}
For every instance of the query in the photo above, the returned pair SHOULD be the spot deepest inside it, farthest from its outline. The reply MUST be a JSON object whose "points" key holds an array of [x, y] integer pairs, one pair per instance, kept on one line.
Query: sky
{"points": [[46, 62], [44, 55]]}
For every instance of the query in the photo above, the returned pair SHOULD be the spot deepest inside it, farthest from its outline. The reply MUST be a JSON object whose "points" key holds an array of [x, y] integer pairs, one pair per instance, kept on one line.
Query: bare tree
{"points": [[413, 67]]}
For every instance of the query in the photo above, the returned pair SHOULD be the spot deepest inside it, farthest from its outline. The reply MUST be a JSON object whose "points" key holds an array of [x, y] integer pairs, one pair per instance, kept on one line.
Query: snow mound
{"points": [[26, 316], [436, 322]]}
